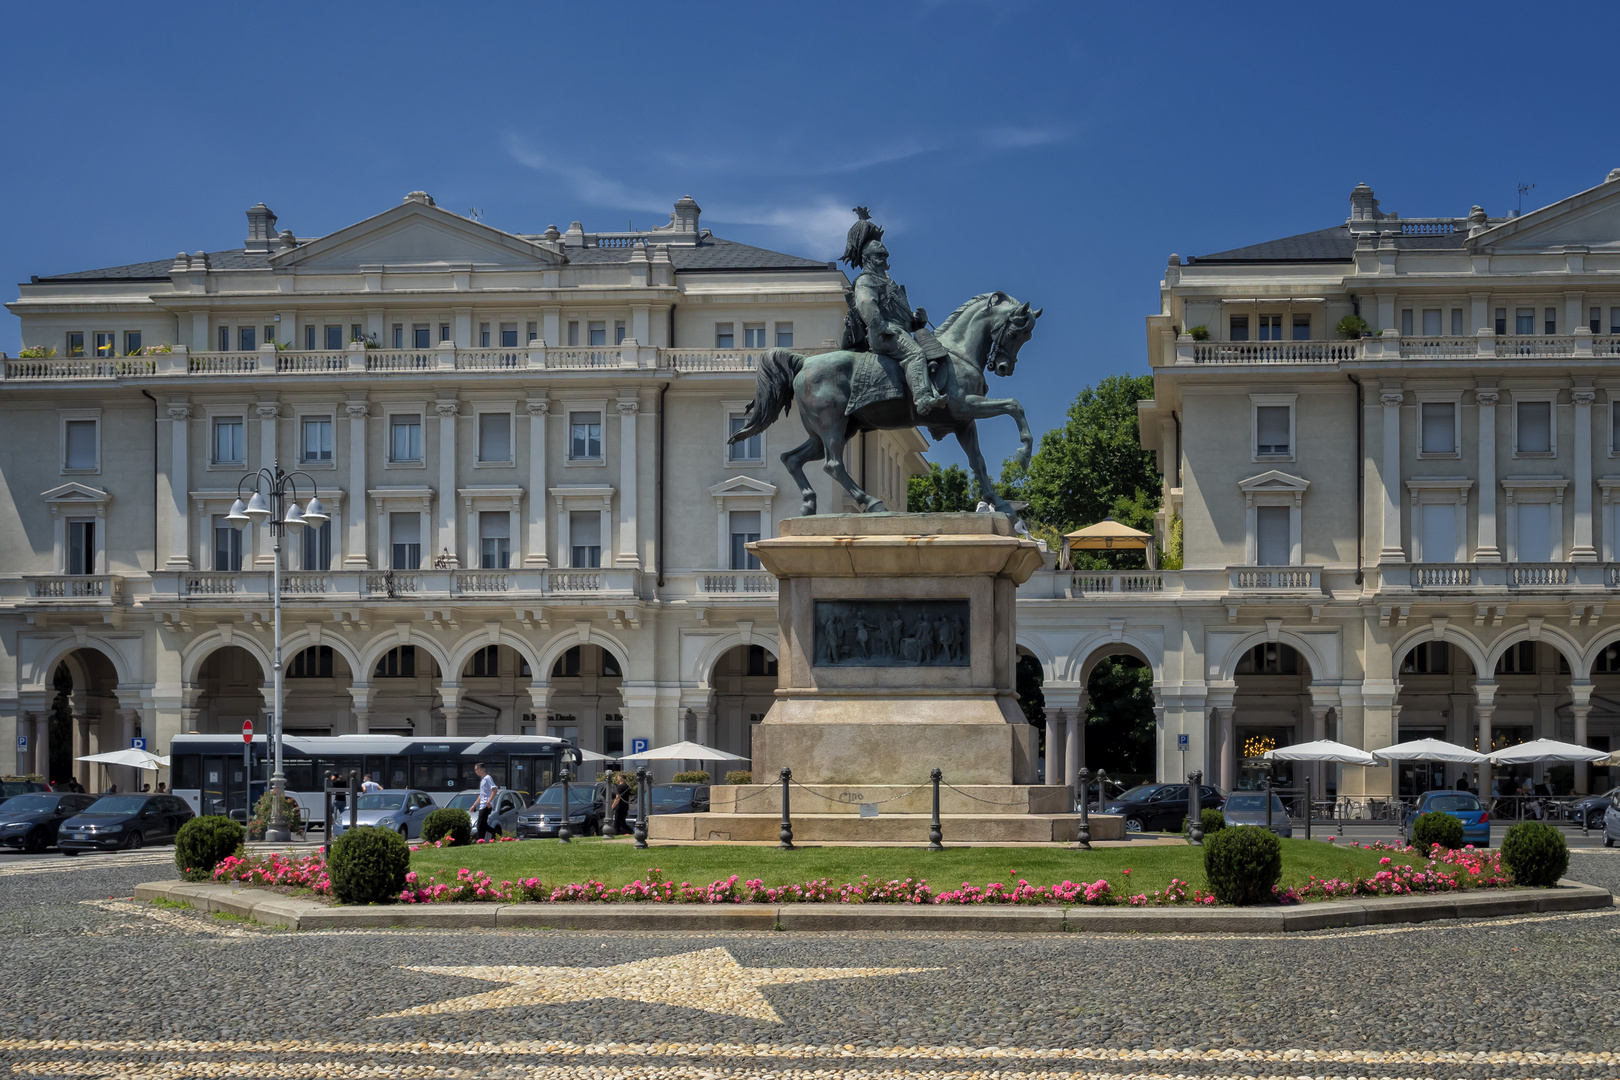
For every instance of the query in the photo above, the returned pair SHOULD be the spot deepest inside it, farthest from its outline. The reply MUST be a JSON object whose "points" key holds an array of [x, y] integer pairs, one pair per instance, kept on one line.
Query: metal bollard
{"points": [[935, 833], [1307, 804], [1083, 837], [1195, 814], [562, 826], [1267, 781], [787, 816], [643, 805], [326, 848], [354, 799], [607, 806]]}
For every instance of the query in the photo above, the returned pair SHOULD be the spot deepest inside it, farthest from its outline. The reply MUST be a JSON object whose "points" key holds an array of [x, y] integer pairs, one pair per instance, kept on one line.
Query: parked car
{"points": [[1590, 810], [1611, 822], [12, 788], [30, 822], [585, 811], [671, 799], [123, 821], [400, 809], [1160, 807], [1462, 805], [1249, 808], [508, 805]]}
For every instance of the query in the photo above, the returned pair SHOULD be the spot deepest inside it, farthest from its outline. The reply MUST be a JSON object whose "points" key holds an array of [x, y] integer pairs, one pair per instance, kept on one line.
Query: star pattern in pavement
{"points": [[709, 979]]}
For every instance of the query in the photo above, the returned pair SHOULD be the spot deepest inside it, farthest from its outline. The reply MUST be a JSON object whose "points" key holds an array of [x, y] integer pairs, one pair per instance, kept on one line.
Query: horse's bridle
{"points": [[997, 340]]}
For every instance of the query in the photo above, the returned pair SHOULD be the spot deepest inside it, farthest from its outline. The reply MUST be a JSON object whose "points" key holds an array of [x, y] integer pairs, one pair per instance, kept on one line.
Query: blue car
{"points": [[1462, 805]]}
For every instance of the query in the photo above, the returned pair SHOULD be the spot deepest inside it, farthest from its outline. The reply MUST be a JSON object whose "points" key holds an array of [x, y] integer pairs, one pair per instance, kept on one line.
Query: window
{"points": [[227, 545], [483, 335], [1439, 427], [1549, 321], [224, 339], [1302, 328], [723, 338], [1273, 545], [1275, 659], [1535, 533], [1520, 659], [1428, 658], [1614, 320], [405, 536], [309, 336], [486, 662], [1524, 321], [573, 333], [316, 444], [509, 335], [1456, 322], [534, 331], [754, 335], [248, 337], [1614, 423], [81, 553], [79, 445], [1608, 661], [749, 449], [1501, 320], [618, 333], [444, 331], [1594, 320], [1439, 535], [356, 332], [598, 332], [1271, 425], [585, 436], [494, 540], [334, 338], [567, 666], [1239, 328], [317, 545], [75, 343], [314, 662], [613, 734], [1406, 322], [399, 335], [585, 538], [495, 436], [405, 438], [422, 336], [784, 335], [1431, 322], [744, 531], [269, 335], [397, 663], [760, 662], [132, 342], [610, 664], [1534, 424], [229, 443]]}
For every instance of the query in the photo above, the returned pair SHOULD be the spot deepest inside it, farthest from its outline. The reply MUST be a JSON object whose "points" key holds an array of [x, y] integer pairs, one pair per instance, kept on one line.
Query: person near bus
{"points": [[485, 803], [368, 785]]}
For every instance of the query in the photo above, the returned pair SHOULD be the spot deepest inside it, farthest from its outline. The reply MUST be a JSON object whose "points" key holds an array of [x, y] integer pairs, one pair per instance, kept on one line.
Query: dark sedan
{"points": [[30, 821], [586, 804], [1590, 809], [1159, 807], [12, 787], [122, 821]]}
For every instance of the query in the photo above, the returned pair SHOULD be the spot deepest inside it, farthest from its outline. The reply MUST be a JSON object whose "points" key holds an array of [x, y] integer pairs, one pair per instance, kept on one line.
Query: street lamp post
{"points": [[274, 501]]}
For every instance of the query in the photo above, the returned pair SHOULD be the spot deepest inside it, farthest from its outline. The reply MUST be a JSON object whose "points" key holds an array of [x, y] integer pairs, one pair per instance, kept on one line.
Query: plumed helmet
{"points": [[863, 232]]}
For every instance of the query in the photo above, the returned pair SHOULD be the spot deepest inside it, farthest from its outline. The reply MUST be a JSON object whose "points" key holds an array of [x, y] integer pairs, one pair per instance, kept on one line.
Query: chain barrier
{"points": [[842, 802], [989, 802]]}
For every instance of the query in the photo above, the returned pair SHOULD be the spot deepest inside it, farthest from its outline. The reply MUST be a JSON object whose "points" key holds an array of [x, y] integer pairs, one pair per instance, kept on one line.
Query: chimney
{"points": [[261, 229], [420, 197], [1364, 211], [685, 217]]}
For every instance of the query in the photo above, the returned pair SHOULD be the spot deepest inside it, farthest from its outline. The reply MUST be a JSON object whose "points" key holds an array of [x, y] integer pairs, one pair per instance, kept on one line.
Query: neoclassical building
{"points": [[536, 523], [1394, 528]]}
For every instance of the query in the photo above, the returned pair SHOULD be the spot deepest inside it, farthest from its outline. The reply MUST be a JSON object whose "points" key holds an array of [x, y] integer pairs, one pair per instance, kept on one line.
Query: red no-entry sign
{"points": [[247, 731]]}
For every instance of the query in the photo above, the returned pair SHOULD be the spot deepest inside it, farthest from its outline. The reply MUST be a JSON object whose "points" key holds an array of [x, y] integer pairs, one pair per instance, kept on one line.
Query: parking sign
{"points": [[137, 744], [638, 746], [1182, 741], [22, 742]]}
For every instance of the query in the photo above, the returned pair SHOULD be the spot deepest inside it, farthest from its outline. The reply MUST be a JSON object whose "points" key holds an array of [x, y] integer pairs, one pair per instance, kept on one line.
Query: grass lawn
{"points": [[619, 863]]}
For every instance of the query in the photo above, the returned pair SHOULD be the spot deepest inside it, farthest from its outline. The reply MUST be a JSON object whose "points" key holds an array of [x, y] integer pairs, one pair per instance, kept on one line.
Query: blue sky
{"points": [[1057, 151]]}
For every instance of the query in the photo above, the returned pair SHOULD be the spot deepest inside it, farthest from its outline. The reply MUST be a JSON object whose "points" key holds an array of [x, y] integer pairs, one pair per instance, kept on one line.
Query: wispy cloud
{"points": [[587, 184], [887, 156], [818, 225], [1020, 138]]}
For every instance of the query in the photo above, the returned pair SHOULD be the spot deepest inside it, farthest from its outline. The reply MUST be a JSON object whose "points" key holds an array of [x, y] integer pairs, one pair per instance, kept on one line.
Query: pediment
{"points": [[1273, 480], [415, 235], [742, 485], [74, 493], [1588, 219]]}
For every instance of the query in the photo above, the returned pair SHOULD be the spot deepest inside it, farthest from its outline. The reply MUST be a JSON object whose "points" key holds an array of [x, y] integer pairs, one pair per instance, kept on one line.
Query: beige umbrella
{"points": [[1110, 535]]}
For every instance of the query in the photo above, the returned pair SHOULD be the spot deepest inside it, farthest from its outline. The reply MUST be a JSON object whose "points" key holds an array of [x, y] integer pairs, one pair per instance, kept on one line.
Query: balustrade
{"points": [[1538, 574], [1442, 575], [1275, 578], [1083, 582], [740, 582], [72, 587]]}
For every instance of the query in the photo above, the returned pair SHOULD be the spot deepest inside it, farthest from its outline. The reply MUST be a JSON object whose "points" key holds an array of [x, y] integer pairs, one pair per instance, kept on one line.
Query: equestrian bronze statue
{"points": [[892, 372]]}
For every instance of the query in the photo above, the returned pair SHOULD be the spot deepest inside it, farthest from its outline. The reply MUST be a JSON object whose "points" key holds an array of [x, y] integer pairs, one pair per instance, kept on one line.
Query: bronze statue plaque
{"points": [[892, 633]]}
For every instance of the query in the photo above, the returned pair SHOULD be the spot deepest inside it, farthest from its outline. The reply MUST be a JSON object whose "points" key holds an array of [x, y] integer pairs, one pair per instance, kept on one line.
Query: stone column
{"points": [[360, 696], [629, 550], [42, 745], [1485, 548], [534, 545], [1074, 749], [1583, 550], [1391, 396], [269, 413], [1582, 708], [1227, 719], [126, 735], [445, 533], [1056, 740], [179, 481], [1484, 708], [355, 555], [451, 696]]}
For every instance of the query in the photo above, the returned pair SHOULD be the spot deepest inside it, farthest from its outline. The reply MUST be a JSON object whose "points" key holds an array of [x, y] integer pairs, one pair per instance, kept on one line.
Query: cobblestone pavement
{"points": [[98, 986]]}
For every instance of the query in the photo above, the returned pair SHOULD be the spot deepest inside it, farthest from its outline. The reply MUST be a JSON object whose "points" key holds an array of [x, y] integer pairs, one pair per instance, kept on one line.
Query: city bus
{"points": [[210, 773]]}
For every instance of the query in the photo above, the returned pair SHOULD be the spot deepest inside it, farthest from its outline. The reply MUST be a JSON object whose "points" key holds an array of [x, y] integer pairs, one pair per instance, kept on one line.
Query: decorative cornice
{"points": [[357, 410], [1583, 397], [447, 409], [267, 410], [541, 407], [1391, 399], [629, 408], [179, 413], [1486, 398]]}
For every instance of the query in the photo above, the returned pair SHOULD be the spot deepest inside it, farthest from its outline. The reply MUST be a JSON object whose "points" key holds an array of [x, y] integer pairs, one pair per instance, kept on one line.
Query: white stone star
{"points": [[710, 980]]}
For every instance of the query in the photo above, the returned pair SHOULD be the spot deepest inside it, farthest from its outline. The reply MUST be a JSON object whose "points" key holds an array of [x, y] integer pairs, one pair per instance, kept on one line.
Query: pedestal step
{"points": [[966, 799], [886, 828]]}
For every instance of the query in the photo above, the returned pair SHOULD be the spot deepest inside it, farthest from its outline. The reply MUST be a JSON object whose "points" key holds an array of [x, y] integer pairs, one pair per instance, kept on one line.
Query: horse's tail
{"points": [[773, 392]]}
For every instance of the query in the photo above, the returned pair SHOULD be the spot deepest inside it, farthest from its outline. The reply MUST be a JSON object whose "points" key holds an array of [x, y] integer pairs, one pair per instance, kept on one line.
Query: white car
{"points": [[1611, 822], [508, 804]]}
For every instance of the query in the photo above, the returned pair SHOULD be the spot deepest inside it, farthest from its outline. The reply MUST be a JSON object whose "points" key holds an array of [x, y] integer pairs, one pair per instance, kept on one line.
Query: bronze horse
{"points": [[984, 333]]}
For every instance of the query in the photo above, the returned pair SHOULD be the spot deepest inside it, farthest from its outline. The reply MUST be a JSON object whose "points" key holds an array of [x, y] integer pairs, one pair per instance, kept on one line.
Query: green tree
{"points": [[942, 491], [1119, 716]]}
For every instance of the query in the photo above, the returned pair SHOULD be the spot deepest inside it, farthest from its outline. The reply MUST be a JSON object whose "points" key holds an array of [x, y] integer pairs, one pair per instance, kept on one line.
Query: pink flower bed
{"points": [[1444, 871]]}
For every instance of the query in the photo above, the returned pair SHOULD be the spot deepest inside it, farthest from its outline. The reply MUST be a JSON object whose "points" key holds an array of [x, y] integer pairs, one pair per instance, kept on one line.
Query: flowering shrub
{"points": [[1447, 870]]}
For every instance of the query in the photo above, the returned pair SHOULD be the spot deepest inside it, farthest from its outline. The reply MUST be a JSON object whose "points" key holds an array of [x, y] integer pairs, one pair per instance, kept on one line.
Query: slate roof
{"points": [[713, 254], [1337, 244]]}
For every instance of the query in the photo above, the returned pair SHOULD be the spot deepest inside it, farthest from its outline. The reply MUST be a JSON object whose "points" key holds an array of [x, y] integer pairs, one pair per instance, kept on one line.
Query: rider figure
{"points": [[881, 303]]}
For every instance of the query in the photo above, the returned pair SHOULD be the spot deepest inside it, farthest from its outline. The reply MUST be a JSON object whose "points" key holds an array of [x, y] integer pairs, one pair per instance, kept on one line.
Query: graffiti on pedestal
{"points": [[891, 633]]}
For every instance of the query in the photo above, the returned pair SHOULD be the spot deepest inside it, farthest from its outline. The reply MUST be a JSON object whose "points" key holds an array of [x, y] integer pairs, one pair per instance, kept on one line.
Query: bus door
{"points": [[532, 775], [225, 787]]}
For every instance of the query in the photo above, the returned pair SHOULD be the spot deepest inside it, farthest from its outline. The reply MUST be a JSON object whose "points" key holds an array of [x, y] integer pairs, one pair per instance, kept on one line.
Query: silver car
{"points": [[508, 804], [400, 809], [1249, 808], [1611, 822]]}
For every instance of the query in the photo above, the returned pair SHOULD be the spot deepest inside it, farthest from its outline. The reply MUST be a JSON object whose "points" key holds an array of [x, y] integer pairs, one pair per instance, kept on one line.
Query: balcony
{"points": [[1275, 580], [1392, 346], [1514, 577], [77, 592], [736, 583], [1094, 583], [315, 587]]}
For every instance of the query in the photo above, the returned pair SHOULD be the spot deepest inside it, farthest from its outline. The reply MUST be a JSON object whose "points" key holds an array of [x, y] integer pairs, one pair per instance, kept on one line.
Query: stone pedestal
{"points": [[898, 650]]}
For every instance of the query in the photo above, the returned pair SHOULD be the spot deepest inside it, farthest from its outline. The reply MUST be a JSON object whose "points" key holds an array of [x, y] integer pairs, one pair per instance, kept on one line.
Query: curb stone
{"points": [[276, 910]]}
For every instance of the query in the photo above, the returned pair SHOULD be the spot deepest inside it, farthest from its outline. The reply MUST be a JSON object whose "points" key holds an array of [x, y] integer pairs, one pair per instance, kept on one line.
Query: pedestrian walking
{"points": [[368, 785], [485, 803]]}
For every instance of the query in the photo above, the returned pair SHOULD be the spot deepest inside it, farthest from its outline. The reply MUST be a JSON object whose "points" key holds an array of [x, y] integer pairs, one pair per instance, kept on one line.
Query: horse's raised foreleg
{"points": [[967, 435], [795, 460], [835, 468], [976, 407]]}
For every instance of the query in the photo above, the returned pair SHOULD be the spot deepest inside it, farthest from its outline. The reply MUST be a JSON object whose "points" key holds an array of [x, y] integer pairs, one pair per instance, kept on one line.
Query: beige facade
{"points": [[536, 524]]}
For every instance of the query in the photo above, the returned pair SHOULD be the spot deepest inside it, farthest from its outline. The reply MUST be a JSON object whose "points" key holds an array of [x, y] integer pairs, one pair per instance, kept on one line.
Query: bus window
{"points": [[213, 786], [435, 774], [532, 775], [300, 774], [188, 772]]}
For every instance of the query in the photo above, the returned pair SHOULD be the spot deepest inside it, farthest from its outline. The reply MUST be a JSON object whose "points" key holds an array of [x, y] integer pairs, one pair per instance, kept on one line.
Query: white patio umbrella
{"points": [[1547, 751], [1429, 750], [138, 759], [1323, 750], [684, 751]]}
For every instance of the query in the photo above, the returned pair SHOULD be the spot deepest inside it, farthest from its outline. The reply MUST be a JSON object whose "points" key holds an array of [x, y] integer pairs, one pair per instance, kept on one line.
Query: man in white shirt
{"points": [[485, 803], [368, 785]]}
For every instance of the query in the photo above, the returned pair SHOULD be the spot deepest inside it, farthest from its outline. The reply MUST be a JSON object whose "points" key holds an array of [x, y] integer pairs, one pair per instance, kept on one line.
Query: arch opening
{"points": [[1271, 708], [741, 687]]}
